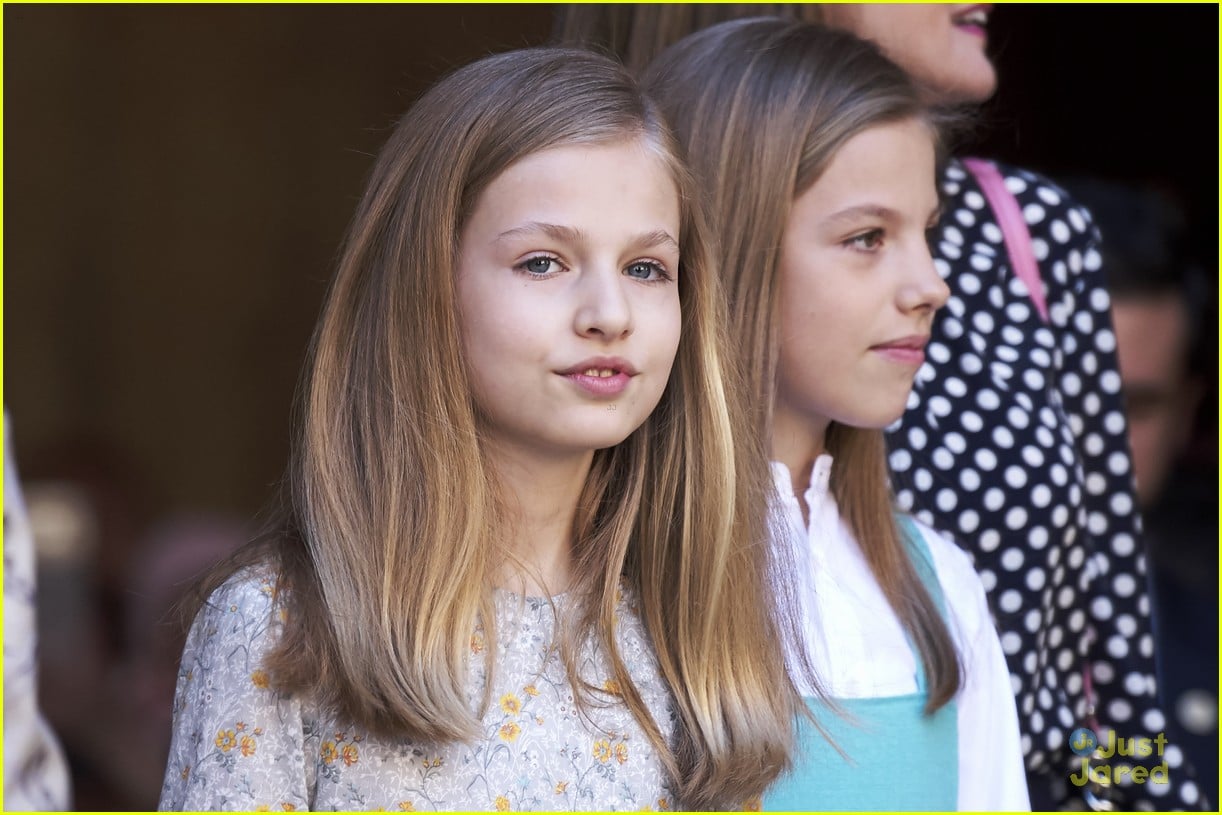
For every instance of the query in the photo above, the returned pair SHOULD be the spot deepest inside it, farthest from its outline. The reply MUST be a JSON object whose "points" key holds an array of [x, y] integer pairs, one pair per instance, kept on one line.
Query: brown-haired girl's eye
{"points": [[867, 241]]}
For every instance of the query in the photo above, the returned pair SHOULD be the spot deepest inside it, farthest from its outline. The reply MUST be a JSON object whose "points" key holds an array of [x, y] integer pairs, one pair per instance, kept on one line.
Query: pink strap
{"points": [[1013, 229]]}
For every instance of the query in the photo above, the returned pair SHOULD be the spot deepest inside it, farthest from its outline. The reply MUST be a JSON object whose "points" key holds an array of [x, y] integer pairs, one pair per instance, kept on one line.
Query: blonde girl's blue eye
{"points": [[646, 270], [539, 265]]}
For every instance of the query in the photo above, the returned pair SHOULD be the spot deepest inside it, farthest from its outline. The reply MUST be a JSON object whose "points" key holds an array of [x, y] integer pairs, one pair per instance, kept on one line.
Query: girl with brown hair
{"points": [[819, 162], [1014, 441], [525, 546]]}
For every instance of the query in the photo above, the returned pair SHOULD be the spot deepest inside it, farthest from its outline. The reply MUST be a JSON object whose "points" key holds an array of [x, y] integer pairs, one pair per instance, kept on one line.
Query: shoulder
{"points": [[952, 565], [237, 740], [962, 588], [1048, 209], [249, 591], [244, 614]]}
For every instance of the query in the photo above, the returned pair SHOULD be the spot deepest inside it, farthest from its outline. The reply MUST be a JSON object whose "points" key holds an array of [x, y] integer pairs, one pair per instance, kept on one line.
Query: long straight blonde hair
{"points": [[761, 107], [390, 538]]}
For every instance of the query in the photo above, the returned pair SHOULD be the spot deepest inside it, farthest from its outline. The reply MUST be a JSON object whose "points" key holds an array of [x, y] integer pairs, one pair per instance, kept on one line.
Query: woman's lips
{"points": [[973, 21]]}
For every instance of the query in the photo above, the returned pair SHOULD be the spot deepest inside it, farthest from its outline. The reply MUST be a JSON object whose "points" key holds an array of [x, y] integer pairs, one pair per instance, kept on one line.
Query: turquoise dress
{"points": [[898, 758]]}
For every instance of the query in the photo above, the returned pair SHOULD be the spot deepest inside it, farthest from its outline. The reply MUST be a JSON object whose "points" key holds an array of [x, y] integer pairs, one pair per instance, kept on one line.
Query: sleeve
{"points": [[35, 772], [1121, 652], [237, 743], [992, 776]]}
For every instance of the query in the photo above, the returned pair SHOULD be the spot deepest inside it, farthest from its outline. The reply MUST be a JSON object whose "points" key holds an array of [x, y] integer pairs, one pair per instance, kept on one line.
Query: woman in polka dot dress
{"points": [[1014, 441]]}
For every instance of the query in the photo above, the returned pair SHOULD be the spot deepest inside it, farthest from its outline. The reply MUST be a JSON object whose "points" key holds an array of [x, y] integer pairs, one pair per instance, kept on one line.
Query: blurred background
{"points": [[177, 182]]}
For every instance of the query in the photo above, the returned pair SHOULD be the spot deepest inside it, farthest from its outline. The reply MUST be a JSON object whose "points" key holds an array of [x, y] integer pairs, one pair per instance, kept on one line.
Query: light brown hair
{"points": [[638, 32], [390, 541], [761, 107]]}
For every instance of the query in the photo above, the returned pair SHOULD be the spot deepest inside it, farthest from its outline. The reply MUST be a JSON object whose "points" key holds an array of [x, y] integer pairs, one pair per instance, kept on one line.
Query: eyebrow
{"points": [[657, 237], [876, 211]]}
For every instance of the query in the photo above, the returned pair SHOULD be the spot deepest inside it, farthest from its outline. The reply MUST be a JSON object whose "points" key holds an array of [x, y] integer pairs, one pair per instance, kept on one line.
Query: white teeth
{"points": [[975, 17], [601, 373]]}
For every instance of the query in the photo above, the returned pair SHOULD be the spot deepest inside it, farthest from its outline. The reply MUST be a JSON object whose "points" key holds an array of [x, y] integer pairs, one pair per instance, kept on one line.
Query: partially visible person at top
{"points": [[513, 571], [35, 772], [818, 160], [1161, 301], [1014, 440]]}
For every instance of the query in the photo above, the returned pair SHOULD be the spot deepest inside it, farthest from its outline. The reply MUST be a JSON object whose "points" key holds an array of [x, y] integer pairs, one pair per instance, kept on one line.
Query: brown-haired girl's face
{"points": [[568, 293], [858, 287]]}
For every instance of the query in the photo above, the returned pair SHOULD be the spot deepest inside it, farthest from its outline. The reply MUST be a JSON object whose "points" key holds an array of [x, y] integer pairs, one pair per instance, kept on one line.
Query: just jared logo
{"points": [[1085, 744]]}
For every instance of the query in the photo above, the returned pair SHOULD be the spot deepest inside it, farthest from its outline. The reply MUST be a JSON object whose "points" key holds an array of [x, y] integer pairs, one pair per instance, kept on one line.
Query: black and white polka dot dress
{"points": [[1014, 444]]}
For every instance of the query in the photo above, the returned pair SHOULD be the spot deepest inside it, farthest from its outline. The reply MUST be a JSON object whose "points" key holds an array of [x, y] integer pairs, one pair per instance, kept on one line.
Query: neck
{"points": [[541, 494], [796, 442]]}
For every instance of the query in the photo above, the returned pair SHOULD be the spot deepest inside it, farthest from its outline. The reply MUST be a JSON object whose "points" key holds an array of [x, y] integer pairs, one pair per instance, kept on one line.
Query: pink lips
{"points": [[905, 351], [973, 20], [601, 376]]}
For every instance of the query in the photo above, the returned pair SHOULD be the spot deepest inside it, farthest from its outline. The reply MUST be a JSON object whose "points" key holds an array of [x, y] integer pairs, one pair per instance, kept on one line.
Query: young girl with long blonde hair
{"points": [[524, 552], [819, 163]]}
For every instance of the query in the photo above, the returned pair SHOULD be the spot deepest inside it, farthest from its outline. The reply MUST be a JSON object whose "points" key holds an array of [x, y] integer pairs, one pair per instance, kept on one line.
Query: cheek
{"points": [[506, 321], [806, 299], [661, 325], [674, 332]]}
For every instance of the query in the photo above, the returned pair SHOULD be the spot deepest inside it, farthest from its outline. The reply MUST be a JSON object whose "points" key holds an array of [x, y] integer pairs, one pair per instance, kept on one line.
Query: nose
{"points": [[603, 307], [923, 288]]}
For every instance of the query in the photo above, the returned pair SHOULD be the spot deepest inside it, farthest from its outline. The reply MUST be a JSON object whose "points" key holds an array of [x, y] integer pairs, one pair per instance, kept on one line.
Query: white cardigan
{"points": [[858, 649]]}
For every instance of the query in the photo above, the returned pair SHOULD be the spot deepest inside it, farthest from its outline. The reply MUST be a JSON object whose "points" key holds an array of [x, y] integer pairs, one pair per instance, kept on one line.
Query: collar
{"points": [[820, 479], [818, 495]]}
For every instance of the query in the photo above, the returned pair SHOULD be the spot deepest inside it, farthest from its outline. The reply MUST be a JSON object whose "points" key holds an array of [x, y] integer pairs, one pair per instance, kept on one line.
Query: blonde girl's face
{"points": [[568, 292], [858, 287]]}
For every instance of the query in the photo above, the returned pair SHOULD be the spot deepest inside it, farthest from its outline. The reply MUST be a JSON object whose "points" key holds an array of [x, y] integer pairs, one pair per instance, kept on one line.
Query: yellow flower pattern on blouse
{"points": [[241, 744], [225, 740], [329, 753], [602, 751], [511, 704]]}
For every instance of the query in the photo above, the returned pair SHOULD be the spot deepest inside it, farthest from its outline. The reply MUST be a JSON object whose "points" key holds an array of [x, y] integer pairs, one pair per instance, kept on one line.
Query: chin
{"points": [[882, 419], [975, 85], [963, 81], [601, 438]]}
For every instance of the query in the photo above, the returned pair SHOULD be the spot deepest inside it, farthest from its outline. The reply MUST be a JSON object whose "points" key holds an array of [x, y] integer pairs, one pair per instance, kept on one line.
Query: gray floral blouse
{"points": [[238, 744]]}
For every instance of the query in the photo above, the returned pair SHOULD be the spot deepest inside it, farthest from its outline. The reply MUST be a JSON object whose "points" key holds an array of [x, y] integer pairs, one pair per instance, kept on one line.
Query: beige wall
{"points": [[177, 180]]}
